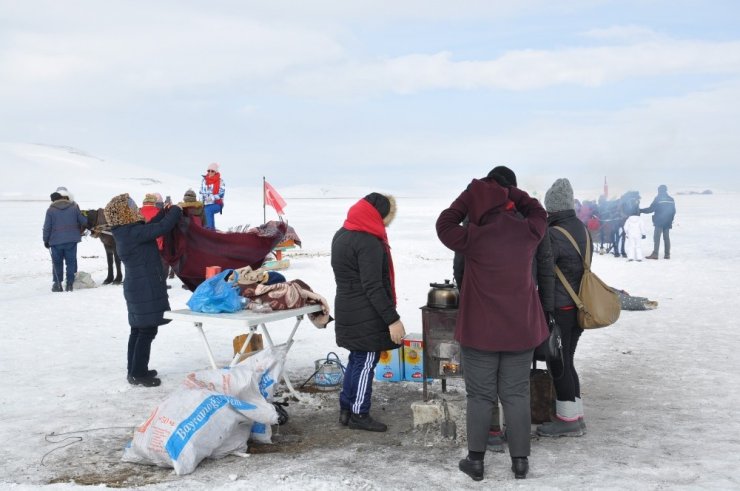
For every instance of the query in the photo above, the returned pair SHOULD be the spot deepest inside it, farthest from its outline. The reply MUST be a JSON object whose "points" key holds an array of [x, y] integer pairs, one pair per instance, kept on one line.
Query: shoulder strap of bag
{"points": [[586, 258], [565, 282], [567, 286]]}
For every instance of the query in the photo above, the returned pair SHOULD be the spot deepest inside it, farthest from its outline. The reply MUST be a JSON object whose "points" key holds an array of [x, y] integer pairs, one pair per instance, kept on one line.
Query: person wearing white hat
{"points": [[212, 191]]}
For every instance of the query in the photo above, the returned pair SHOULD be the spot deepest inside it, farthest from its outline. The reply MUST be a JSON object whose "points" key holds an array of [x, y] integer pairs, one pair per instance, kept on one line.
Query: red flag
{"points": [[606, 189], [273, 199]]}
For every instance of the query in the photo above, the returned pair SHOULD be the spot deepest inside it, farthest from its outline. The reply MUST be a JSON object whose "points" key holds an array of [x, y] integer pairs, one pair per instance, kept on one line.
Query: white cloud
{"points": [[522, 69], [628, 34]]}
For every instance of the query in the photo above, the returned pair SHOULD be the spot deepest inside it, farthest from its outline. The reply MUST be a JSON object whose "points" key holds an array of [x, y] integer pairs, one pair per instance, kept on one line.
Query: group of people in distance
{"points": [[136, 232], [617, 222], [506, 247]]}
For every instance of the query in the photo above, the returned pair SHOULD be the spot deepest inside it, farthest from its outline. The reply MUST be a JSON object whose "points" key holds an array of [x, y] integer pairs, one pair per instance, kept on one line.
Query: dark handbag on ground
{"points": [[541, 395], [598, 304]]}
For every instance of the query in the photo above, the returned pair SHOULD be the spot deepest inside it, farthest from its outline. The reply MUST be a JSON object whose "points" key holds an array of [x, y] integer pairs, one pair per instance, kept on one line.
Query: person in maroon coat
{"points": [[500, 319]]}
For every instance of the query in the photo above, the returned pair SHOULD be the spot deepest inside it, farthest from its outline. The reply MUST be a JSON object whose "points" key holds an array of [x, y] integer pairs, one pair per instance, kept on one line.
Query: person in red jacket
{"points": [[500, 319]]}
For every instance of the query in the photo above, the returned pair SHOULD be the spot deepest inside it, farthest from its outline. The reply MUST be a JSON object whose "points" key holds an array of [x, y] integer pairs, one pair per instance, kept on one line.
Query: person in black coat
{"points": [[568, 420], [145, 284], [663, 209], [367, 322]]}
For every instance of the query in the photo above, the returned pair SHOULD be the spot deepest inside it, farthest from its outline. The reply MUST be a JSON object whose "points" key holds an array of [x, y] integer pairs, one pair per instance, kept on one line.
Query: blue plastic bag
{"points": [[217, 295]]}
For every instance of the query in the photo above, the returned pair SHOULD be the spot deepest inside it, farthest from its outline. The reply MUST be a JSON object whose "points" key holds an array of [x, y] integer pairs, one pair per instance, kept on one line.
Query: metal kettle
{"points": [[443, 295]]}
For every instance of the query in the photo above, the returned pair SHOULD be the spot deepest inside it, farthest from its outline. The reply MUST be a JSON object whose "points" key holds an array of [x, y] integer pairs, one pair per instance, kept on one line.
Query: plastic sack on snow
{"points": [[217, 295], [269, 362], [83, 280], [194, 423]]}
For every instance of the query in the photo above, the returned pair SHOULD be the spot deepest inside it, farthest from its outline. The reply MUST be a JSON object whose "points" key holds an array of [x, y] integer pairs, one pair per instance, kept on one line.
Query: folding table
{"points": [[245, 319]]}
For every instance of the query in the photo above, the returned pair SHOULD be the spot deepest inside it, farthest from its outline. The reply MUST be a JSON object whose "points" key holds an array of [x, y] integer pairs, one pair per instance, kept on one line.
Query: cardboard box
{"points": [[255, 344], [413, 357], [390, 366]]}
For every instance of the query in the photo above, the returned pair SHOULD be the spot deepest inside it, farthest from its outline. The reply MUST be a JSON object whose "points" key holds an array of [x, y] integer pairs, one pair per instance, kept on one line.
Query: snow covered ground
{"points": [[659, 386]]}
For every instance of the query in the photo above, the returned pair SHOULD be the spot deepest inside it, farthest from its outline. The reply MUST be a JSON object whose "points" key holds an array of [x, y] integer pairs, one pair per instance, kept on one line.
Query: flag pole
{"points": [[264, 212]]}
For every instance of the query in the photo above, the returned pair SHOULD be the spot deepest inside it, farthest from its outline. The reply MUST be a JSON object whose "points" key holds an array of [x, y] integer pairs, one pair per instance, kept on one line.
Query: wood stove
{"points": [[442, 358]]}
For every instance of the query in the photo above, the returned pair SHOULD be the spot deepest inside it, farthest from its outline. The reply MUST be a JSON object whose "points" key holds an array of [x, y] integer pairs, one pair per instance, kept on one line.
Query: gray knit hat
{"points": [[559, 197]]}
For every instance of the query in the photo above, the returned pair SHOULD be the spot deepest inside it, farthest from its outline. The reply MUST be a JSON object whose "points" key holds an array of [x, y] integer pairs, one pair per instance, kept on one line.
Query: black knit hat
{"points": [[380, 202], [55, 196], [503, 175]]}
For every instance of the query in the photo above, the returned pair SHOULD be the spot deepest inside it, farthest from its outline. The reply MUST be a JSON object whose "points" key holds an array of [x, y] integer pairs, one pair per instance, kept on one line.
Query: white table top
{"points": [[244, 318]]}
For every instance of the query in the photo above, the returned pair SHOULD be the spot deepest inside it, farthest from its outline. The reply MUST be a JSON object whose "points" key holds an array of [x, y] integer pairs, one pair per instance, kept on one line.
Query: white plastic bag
{"points": [[199, 420], [83, 280]]}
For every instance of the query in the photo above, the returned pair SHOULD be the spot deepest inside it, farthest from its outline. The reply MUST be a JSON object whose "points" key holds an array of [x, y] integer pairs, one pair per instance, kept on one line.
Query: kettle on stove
{"points": [[443, 295]]}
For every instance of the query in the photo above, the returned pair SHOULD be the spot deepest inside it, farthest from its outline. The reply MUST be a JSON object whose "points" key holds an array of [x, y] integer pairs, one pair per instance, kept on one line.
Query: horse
{"points": [[99, 228], [612, 215]]}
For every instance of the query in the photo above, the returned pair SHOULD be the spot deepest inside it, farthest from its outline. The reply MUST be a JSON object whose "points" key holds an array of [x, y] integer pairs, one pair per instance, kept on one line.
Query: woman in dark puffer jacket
{"points": [[145, 284], [559, 203], [366, 318]]}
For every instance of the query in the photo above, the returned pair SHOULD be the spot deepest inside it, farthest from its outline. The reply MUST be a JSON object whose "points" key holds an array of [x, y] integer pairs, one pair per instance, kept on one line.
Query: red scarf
{"points": [[215, 181], [364, 217]]}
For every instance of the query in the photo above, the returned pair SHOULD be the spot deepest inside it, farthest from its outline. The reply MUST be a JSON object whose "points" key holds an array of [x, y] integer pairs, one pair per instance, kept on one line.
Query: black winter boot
{"points": [[56, 287], [473, 468], [365, 422], [150, 373], [68, 287], [520, 467], [344, 416], [144, 381]]}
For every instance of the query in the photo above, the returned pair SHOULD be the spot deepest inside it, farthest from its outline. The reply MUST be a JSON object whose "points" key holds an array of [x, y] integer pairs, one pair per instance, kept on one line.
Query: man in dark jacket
{"points": [[559, 203], [62, 227], [663, 209], [500, 319], [367, 322], [145, 284]]}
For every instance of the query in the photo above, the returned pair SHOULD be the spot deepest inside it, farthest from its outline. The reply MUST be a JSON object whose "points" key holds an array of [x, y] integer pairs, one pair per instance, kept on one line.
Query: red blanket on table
{"points": [[190, 248]]}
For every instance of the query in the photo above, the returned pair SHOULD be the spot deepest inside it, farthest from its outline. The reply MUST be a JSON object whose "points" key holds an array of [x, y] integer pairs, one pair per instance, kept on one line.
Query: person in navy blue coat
{"points": [[663, 208], [145, 285], [62, 227]]}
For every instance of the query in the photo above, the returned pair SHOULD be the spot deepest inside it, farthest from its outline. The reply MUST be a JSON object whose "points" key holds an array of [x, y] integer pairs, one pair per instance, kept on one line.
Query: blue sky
{"points": [[422, 94]]}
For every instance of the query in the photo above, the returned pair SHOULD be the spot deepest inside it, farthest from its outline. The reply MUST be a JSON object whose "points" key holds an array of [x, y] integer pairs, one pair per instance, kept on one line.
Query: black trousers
{"points": [[565, 377], [139, 348]]}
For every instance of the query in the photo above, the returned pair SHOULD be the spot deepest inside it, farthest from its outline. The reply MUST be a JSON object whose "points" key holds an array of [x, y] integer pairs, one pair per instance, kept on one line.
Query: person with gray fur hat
{"points": [[145, 285], [560, 206]]}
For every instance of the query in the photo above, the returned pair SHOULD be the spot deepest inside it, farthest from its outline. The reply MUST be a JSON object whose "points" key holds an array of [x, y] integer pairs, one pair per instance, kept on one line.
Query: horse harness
{"points": [[103, 228]]}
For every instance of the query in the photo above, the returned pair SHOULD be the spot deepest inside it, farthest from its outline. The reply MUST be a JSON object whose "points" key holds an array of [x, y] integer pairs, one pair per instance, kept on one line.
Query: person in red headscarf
{"points": [[367, 321], [212, 191]]}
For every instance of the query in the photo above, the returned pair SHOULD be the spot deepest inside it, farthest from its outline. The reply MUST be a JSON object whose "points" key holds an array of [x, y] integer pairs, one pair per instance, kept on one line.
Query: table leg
{"points": [[288, 343], [267, 335], [238, 355], [199, 326]]}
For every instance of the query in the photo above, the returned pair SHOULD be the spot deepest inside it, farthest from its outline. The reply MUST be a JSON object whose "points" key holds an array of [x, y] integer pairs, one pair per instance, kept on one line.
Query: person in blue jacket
{"points": [[145, 284], [62, 231], [663, 209]]}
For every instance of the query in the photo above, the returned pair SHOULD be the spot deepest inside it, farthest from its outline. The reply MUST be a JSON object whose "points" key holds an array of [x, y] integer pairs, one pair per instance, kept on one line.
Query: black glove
{"points": [[46, 244], [643, 237]]}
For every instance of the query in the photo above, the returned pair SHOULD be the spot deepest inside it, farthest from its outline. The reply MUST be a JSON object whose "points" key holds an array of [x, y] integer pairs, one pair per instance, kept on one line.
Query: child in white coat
{"points": [[634, 231]]}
